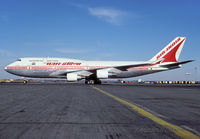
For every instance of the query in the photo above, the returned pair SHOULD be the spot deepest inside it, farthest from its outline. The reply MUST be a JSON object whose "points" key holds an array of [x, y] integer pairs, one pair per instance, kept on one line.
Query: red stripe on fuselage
{"points": [[70, 68]]}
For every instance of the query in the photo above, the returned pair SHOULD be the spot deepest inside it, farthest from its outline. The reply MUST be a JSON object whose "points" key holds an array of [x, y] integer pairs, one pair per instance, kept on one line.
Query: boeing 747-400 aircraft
{"points": [[93, 71]]}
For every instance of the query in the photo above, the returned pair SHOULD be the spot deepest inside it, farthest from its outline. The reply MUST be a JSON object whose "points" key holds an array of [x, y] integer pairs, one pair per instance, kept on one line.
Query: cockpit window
{"points": [[19, 59]]}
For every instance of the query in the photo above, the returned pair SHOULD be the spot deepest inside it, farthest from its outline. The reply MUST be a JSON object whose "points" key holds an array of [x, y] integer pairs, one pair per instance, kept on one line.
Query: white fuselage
{"points": [[54, 67]]}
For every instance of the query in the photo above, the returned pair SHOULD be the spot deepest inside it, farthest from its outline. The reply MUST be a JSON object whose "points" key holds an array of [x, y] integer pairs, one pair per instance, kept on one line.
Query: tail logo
{"points": [[168, 48]]}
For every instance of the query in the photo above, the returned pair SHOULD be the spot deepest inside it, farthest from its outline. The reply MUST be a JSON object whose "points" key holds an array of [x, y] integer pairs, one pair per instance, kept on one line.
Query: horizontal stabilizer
{"points": [[176, 64]]}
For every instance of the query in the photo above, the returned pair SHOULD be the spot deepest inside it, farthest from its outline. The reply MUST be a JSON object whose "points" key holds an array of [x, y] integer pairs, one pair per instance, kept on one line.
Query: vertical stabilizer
{"points": [[171, 52]]}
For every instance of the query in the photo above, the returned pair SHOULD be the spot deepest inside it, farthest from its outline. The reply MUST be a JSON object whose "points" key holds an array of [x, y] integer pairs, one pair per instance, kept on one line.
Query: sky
{"points": [[132, 30]]}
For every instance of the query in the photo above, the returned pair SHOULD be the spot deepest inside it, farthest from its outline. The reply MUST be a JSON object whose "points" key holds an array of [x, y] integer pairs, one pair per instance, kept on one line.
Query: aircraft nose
{"points": [[6, 68]]}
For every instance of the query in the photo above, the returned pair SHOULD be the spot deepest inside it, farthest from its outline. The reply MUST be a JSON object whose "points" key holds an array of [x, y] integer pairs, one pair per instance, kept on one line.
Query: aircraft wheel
{"points": [[89, 81]]}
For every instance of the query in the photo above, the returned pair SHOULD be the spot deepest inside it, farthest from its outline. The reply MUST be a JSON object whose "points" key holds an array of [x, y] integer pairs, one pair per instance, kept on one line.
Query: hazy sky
{"points": [[100, 30]]}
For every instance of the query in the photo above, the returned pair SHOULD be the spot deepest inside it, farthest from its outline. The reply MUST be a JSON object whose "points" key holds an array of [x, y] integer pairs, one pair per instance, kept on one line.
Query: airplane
{"points": [[92, 71]]}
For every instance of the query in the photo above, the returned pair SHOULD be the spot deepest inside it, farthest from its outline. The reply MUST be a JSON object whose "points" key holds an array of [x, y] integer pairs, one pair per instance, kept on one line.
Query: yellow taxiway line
{"points": [[174, 128]]}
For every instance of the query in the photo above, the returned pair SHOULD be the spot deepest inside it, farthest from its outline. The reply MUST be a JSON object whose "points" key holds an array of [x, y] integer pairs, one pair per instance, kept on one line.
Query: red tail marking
{"points": [[168, 48], [171, 56]]}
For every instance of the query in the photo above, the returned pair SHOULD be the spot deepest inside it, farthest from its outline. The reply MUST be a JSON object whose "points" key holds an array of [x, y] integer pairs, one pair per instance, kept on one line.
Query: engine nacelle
{"points": [[102, 74], [72, 77]]}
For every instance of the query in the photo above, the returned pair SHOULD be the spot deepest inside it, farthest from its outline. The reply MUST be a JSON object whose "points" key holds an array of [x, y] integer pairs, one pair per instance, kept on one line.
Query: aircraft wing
{"points": [[125, 67], [115, 69]]}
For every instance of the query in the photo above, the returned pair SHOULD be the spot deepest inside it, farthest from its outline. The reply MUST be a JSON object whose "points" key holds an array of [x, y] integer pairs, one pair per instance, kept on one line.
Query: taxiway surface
{"points": [[80, 111]]}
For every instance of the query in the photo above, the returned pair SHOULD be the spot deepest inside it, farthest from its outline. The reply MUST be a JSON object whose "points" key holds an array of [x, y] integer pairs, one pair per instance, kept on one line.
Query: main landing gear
{"points": [[92, 81]]}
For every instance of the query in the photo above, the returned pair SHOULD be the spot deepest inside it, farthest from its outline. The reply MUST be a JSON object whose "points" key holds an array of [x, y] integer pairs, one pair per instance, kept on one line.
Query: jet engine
{"points": [[102, 74], [72, 77]]}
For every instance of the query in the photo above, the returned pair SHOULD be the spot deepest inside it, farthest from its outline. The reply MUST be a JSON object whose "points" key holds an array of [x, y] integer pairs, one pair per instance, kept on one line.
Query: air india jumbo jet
{"points": [[93, 71]]}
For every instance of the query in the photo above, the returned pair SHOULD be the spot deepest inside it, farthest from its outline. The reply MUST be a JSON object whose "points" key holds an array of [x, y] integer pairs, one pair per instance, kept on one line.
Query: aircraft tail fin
{"points": [[171, 52]]}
